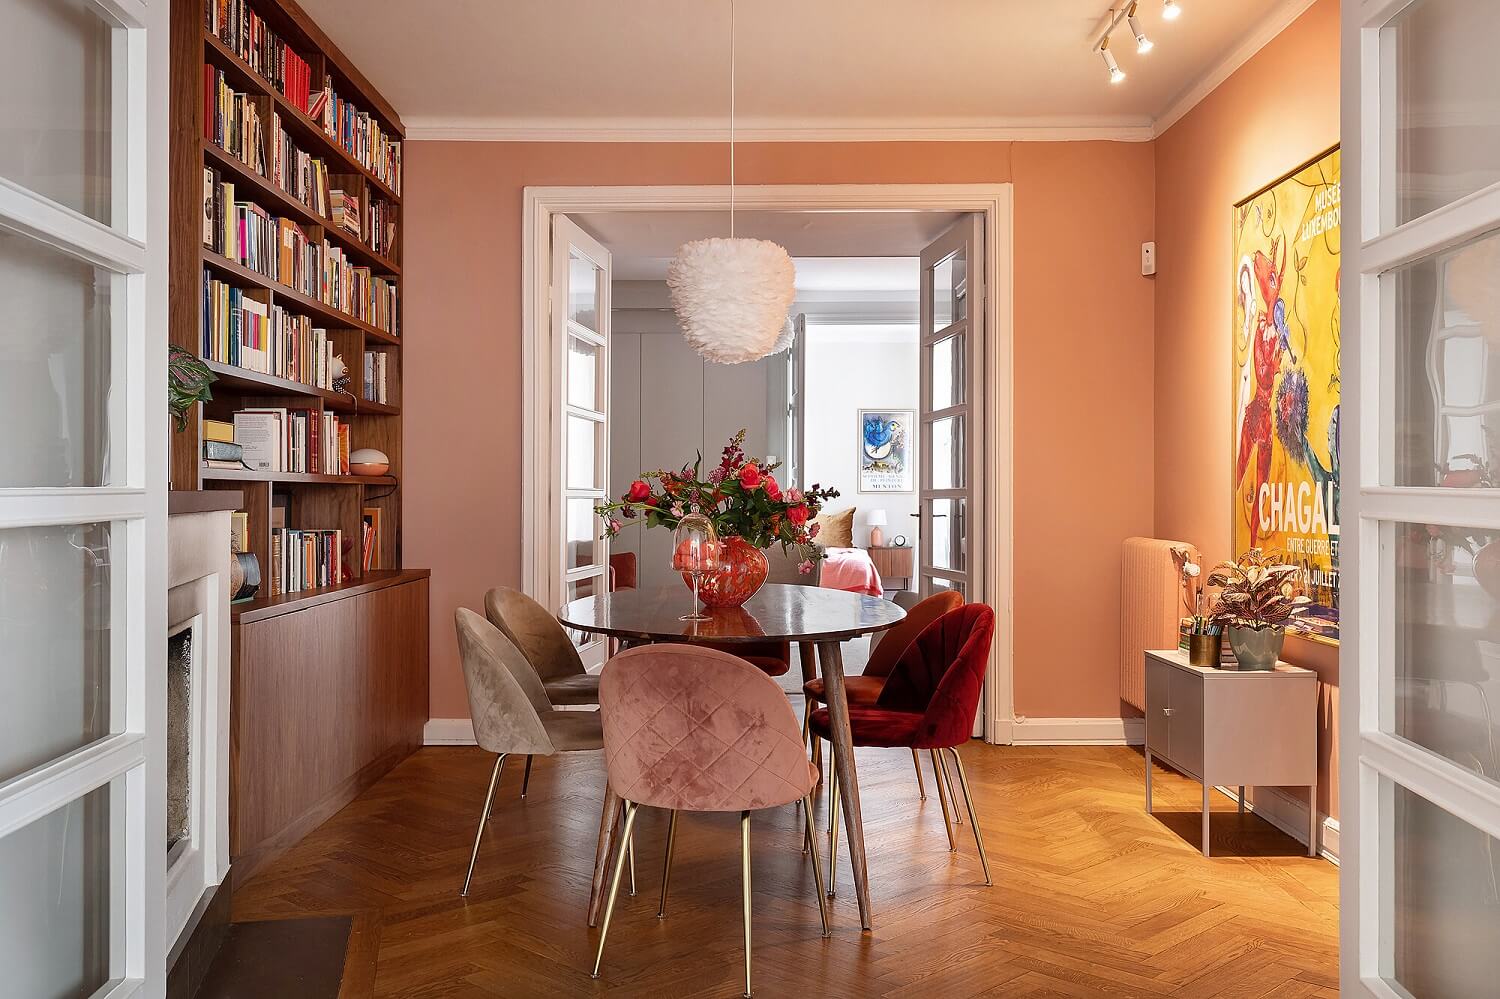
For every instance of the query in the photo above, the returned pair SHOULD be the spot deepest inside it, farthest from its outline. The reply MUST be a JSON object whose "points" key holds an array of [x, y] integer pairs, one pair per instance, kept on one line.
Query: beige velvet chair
{"points": [[510, 708], [546, 647]]}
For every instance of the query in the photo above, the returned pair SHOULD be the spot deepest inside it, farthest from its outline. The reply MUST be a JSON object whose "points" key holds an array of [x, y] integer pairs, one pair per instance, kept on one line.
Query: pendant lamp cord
{"points": [[731, 119]]}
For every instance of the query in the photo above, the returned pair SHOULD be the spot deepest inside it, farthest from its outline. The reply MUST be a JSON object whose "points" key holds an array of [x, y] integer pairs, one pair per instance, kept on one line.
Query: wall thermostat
{"points": [[1148, 259]]}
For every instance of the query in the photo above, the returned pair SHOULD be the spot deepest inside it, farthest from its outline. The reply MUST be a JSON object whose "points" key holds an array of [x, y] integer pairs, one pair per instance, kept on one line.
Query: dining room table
{"points": [[817, 619]]}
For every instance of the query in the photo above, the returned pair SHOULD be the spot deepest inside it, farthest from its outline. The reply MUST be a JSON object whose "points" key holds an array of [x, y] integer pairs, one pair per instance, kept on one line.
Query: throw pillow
{"points": [[836, 530]]}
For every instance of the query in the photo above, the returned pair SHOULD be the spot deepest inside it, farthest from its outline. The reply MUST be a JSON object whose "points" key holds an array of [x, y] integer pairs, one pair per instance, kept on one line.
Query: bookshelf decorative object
{"points": [[286, 242]]}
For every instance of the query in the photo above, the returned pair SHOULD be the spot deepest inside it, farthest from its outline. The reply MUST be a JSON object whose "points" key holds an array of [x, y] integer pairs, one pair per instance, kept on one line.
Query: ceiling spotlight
{"points": [[1142, 43], [1116, 74], [1170, 11]]}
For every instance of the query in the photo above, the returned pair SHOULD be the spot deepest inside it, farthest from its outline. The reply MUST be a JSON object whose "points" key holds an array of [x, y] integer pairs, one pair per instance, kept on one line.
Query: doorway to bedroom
{"points": [[884, 388]]}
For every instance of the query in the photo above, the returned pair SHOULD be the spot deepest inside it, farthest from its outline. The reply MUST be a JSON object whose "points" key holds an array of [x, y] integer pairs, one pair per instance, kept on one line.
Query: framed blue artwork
{"points": [[886, 439]]}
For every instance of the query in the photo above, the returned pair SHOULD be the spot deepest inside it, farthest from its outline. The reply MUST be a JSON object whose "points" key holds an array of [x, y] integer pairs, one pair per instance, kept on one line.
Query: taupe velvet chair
{"points": [[510, 708], [546, 647]]}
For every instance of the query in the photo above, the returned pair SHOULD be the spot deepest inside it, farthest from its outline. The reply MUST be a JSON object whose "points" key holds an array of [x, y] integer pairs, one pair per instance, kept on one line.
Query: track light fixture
{"points": [[1170, 11], [1116, 74], [1142, 43]]}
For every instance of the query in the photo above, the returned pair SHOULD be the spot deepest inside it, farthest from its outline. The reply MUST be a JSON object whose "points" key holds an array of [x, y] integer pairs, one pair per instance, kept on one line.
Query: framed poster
{"points": [[885, 451], [1285, 474]]}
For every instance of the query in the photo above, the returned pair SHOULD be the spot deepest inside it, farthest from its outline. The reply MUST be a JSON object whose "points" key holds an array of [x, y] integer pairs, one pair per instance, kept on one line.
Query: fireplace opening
{"points": [[179, 736]]}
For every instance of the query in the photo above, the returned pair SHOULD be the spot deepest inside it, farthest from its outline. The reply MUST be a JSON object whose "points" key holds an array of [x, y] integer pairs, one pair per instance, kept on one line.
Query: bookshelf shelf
{"points": [[295, 478], [245, 380], [290, 298], [262, 608]]}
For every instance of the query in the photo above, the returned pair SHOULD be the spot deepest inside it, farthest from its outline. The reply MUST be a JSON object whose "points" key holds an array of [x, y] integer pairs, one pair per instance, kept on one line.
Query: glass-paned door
{"points": [[83, 429], [950, 422], [580, 332], [1420, 676]]}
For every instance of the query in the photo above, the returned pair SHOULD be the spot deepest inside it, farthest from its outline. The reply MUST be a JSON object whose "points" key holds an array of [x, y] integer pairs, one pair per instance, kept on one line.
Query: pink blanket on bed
{"points": [[850, 569]]}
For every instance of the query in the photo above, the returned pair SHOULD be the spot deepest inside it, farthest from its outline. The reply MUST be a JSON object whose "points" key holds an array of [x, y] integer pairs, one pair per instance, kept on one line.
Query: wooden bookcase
{"points": [[315, 502], [329, 685]]}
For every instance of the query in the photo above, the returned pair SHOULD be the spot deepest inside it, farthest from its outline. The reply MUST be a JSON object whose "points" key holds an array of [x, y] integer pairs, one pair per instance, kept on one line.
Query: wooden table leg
{"points": [[602, 852], [808, 654], [831, 662]]}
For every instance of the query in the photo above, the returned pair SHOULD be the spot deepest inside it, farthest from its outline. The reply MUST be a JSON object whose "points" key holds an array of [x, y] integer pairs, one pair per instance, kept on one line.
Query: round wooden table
{"points": [[813, 617]]}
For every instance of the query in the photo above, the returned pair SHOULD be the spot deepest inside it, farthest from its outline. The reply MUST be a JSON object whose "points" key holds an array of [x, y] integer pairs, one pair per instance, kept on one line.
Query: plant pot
{"points": [[741, 571], [1204, 650], [1256, 648]]}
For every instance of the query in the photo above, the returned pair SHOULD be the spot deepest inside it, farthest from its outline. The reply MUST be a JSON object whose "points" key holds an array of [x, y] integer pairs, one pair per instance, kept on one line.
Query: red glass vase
{"points": [[741, 571]]}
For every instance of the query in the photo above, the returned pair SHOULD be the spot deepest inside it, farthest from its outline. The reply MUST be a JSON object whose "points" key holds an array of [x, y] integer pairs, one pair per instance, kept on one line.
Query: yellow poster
{"points": [[1286, 380]]}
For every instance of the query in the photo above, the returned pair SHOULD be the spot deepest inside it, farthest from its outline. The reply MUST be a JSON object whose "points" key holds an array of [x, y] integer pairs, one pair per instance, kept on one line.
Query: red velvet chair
{"points": [[929, 702]]}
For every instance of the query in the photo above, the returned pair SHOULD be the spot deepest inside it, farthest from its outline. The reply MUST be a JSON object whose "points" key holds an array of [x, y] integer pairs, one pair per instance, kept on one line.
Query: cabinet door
{"points": [[1158, 706], [1186, 742]]}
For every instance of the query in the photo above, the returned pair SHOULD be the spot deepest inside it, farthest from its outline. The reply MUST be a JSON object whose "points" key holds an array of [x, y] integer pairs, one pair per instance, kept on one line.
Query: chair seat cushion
{"points": [[574, 731], [580, 688], [880, 728], [769, 665], [857, 689]]}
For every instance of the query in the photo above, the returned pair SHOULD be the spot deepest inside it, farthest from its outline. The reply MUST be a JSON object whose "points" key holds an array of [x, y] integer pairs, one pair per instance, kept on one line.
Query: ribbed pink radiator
{"points": [[1150, 607]]}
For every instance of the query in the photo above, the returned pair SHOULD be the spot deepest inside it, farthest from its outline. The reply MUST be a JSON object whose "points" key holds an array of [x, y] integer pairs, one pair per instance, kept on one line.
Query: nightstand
{"points": [[891, 561], [1232, 727]]}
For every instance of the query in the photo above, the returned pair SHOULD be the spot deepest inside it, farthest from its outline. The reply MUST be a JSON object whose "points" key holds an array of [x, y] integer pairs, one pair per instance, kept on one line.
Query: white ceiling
{"points": [[832, 68]]}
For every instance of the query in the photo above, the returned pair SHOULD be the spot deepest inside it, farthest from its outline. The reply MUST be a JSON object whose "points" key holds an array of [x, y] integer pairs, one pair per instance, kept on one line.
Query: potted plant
{"points": [[745, 504], [1258, 596]]}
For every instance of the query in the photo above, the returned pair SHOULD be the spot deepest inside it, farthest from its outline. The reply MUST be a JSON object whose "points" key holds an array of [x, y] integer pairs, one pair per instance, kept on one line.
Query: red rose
{"points": [[797, 514], [750, 476], [638, 492], [772, 489]]}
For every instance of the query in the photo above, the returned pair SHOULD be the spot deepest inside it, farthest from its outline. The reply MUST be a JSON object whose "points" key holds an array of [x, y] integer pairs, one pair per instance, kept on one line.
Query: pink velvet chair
{"points": [[694, 729]]}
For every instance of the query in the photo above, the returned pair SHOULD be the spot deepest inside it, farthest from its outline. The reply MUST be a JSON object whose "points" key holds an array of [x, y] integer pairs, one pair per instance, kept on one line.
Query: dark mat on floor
{"points": [[280, 957]]}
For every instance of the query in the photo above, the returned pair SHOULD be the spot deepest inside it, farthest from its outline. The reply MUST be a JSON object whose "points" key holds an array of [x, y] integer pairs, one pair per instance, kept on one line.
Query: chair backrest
{"points": [[506, 698], [699, 730], [623, 571], [941, 674], [892, 643], [534, 631]]}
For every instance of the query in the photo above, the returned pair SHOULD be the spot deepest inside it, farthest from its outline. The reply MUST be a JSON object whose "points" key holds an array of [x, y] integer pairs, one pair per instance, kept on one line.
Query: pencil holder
{"points": [[1203, 650]]}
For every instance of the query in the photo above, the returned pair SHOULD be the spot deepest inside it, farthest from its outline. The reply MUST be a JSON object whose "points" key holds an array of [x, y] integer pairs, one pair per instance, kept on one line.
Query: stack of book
{"points": [[247, 35], [380, 226], [219, 447], [362, 136], [375, 376], [302, 175], [293, 440], [369, 530], [241, 331], [346, 213], [305, 560], [231, 121]]}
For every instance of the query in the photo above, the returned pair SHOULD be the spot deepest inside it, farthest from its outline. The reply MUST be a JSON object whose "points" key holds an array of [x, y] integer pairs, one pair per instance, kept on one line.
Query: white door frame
{"points": [[992, 201]]}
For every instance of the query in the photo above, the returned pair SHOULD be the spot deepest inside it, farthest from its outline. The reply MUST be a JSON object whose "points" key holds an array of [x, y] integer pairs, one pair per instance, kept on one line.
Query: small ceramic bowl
{"points": [[369, 461]]}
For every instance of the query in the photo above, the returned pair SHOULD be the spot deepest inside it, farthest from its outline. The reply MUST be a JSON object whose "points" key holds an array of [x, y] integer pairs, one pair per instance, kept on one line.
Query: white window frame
{"points": [[131, 760], [1370, 751]]}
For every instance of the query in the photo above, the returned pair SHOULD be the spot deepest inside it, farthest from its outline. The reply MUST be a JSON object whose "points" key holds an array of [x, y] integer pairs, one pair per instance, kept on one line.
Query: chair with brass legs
{"points": [[928, 703], [694, 729], [546, 646], [511, 711]]}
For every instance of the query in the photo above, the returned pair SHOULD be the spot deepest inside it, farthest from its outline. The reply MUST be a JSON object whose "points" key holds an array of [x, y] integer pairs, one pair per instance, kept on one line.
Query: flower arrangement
{"points": [[1258, 591], [740, 497], [1189, 574]]}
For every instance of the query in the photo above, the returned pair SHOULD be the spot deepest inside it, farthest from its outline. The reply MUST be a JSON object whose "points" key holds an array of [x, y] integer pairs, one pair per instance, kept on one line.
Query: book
{"points": [[231, 466], [370, 538], [239, 531], [222, 451], [261, 435], [218, 430]]}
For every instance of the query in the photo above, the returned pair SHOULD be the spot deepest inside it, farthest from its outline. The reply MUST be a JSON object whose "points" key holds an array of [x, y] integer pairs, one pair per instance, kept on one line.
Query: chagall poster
{"points": [[1286, 381]]}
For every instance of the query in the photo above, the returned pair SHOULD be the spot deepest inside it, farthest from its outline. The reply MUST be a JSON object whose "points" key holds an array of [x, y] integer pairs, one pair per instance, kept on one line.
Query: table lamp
{"points": [[877, 521]]}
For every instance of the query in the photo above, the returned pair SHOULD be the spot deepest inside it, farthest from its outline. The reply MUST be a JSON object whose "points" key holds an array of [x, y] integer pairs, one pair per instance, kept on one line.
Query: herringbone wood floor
{"points": [[1092, 897]]}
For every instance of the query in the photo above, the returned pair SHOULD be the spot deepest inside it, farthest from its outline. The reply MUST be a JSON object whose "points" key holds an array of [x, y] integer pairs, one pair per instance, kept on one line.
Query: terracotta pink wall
{"points": [[1280, 109], [1084, 330]]}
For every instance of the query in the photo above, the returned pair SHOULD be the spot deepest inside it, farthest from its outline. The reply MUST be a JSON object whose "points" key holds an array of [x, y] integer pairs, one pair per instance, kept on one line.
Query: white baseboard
{"points": [[1290, 816], [448, 732], [1078, 731]]}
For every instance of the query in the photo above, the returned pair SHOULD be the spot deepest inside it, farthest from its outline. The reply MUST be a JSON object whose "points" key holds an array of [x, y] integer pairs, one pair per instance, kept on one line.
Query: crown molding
{"points": [[1070, 129], [1276, 20]]}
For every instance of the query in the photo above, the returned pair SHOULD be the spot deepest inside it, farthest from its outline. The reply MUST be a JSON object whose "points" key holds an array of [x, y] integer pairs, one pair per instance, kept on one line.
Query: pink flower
{"points": [[794, 496], [805, 566], [812, 532], [614, 526], [750, 476]]}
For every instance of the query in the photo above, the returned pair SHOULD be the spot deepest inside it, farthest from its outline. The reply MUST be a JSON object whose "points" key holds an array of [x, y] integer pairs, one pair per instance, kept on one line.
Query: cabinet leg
{"points": [[1148, 782], [1242, 799], [1312, 821], [1205, 818]]}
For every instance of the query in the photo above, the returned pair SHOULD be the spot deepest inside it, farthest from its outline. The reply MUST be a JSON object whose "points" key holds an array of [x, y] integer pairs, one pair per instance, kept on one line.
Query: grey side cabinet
{"points": [[1228, 727]]}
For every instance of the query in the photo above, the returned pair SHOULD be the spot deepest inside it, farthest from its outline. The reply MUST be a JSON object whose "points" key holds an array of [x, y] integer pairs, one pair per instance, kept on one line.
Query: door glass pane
{"points": [[583, 292], [1446, 143], [937, 584], [54, 366], [948, 372], [948, 453], [55, 76], [54, 883], [583, 446], [950, 291], [1446, 912], [54, 642], [949, 533], [1447, 367], [583, 374], [583, 530], [1447, 669]]}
